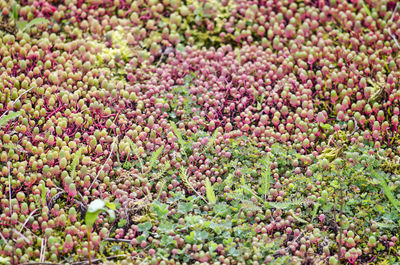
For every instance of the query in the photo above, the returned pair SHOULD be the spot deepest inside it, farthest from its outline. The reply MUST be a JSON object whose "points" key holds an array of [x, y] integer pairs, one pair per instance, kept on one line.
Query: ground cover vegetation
{"points": [[199, 132]]}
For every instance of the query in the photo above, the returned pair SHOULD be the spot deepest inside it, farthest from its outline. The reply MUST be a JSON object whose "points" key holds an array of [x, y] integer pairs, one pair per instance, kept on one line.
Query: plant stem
{"points": [[12, 230], [89, 245], [340, 223]]}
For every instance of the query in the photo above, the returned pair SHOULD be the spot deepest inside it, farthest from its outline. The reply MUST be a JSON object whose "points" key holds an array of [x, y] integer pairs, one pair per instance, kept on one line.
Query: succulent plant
{"points": [[228, 132]]}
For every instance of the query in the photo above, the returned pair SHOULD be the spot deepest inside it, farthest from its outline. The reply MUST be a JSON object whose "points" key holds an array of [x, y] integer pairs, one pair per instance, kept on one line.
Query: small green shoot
{"points": [[34, 22], [211, 142], [94, 209], [155, 156], [22, 24], [10, 116], [265, 177], [183, 175], [389, 194], [210, 192], [238, 57], [43, 193], [135, 152], [75, 162], [315, 210], [15, 11], [181, 142], [365, 6]]}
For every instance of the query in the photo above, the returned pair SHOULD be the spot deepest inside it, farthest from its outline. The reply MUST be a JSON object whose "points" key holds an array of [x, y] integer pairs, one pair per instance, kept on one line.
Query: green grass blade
{"points": [[15, 11], [10, 116], [365, 6], [35, 22]]}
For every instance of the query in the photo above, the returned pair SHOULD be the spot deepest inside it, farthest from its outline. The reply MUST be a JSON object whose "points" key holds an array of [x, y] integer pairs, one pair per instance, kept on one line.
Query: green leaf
{"points": [[240, 232], [94, 209], [166, 227], [188, 78], [115, 248], [210, 192], [211, 142], [315, 211], [5, 260], [284, 205], [181, 142], [365, 6], [212, 246], [215, 227], [160, 209], [10, 116], [122, 223], [238, 56], [155, 156], [175, 198], [221, 209], [227, 238], [232, 251], [185, 207], [301, 220], [111, 205], [190, 238], [166, 240], [181, 48], [75, 162], [144, 226], [135, 151], [43, 186], [34, 22], [265, 177], [141, 238], [386, 226], [326, 127], [201, 235], [388, 191], [15, 11], [193, 219]]}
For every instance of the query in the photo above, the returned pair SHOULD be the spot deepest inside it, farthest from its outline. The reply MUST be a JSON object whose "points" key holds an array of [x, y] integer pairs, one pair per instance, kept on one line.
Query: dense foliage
{"points": [[199, 132]]}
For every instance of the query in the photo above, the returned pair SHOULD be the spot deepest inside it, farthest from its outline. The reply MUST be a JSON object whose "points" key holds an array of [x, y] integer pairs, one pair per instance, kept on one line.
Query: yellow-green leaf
{"points": [[210, 192]]}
